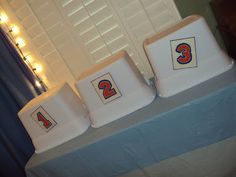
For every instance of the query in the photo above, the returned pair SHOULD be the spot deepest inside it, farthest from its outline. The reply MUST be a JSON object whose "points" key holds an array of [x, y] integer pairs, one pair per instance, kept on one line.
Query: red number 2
{"points": [[185, 51], [106, 86], [41, 118]]}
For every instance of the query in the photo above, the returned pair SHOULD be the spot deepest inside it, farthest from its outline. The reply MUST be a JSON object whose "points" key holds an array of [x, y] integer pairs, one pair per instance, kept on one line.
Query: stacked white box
{"points": [[54, 117], [113, 88], [185, 55]]}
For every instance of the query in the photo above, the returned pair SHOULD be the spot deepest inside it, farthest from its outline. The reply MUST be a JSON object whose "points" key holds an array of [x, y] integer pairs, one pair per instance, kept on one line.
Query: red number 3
{"points": [[106, 86], [186, 54]]}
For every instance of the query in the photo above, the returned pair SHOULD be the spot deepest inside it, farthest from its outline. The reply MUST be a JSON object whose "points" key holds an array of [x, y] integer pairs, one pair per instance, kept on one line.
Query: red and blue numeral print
{"points": [[185, 53], [46, 123], [106, 86]]}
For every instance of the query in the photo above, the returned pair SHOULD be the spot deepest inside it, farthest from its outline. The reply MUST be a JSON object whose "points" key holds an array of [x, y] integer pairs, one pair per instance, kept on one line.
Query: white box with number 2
{"points": [[113, 89], [185, 55]]}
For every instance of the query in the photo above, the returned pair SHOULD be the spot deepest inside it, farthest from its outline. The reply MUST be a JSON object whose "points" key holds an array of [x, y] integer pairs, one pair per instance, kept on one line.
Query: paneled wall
{"points": [[71, 35]]}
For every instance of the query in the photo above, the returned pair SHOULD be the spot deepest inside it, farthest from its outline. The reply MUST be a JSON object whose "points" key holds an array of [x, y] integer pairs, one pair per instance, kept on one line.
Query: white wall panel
{"points": [[71, 35], [107, 26], [143, 18], [60, 36]]}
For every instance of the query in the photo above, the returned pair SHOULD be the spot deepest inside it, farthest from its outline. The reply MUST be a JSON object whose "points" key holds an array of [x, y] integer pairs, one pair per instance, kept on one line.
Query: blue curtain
{"points": [[17, 87]]}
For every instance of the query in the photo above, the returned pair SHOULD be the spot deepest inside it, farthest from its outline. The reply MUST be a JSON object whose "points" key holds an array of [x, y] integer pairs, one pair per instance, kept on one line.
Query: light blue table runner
{"points": [[168, 127]]}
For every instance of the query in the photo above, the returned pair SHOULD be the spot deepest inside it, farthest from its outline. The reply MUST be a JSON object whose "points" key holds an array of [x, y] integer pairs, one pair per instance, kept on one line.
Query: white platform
{"points": [[185, 55], [54, 117], [127, 90]]}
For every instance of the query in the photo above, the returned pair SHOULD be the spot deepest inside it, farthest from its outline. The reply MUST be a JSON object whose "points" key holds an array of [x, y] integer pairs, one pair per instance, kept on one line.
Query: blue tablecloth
{"points": [[196, 118]]}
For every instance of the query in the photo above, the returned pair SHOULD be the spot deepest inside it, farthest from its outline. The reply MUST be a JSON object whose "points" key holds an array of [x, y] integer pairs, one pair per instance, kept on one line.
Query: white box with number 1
{"points": [[54, 117]]}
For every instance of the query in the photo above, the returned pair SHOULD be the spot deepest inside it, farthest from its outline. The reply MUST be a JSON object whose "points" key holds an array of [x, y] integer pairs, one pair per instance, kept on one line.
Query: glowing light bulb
{"points": [[37, 83], [43, 77], [20, 42], [38, 68], [29, 58], [14, 29], [3, 18]]}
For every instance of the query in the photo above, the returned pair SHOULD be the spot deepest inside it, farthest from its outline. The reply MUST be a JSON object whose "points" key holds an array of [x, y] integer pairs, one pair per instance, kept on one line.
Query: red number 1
{"points": [[41, 118], [185, 51], [106, 86]]}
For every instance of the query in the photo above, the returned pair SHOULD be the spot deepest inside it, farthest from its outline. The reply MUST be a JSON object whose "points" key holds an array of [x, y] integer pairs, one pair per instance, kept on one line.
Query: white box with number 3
{"points": [[185, 55], [113, 89]]}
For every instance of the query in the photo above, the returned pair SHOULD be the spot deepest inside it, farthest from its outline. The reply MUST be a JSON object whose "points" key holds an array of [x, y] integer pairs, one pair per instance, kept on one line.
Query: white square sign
{"points": [[106, 88], [43, 119], [183, 53]]}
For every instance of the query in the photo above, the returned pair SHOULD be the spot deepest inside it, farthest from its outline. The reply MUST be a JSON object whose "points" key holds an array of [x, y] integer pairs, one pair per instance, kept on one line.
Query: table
{"points": [[187, 125]]}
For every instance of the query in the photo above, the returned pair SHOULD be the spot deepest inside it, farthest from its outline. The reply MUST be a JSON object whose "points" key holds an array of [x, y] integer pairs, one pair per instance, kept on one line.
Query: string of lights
{"points": [[12, 31]]}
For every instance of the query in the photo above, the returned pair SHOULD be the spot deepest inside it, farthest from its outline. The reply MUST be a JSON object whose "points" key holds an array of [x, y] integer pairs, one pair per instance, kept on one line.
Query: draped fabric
{"points": [[17, 87]]}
